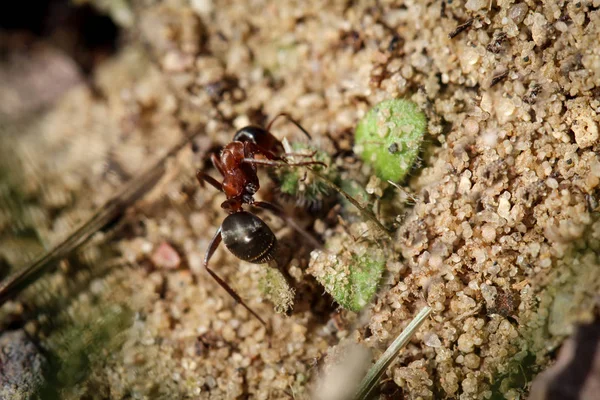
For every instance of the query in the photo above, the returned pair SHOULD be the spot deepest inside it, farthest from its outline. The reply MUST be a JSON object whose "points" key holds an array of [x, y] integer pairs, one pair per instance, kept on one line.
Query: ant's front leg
{"points": [[251, 149], [212, 247], [204, 177]]}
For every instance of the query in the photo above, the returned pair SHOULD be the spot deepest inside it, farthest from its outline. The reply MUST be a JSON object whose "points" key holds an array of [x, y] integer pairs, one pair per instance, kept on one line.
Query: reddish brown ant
{"points": [[245, 235]]}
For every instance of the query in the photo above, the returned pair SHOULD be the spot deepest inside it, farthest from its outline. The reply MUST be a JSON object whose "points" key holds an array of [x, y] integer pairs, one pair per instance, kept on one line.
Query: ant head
{"points": [[248, 237], [250, 134], [259, 136]]}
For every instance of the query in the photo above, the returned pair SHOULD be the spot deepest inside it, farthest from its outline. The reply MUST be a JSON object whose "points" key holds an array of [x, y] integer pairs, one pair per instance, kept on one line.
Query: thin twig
{"points": [[461, 28], [499, 78]]}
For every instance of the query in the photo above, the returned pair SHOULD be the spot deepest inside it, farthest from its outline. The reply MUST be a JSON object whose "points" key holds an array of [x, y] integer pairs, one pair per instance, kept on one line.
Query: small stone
{"points": [[465, 343], [504, 208], [475, 5], [471, 126], [505, 109], [21, 366], [518, 12], [586, 132], [166, 257], [472, 361], [202, 7], [488, 232], [539, 29], [431, 339]]}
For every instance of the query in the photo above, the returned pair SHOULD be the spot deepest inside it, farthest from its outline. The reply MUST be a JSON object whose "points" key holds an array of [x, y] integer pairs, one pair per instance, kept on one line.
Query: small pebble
{"points": [[166, 257]]}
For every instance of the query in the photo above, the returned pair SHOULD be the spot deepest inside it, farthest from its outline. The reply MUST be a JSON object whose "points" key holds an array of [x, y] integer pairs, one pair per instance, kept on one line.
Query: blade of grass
{"points": [[378, 369], [108, 213]]}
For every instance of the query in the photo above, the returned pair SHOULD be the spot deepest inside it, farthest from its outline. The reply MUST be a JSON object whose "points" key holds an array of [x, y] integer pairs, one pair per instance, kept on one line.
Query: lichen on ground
{"points": [[502, 239]]}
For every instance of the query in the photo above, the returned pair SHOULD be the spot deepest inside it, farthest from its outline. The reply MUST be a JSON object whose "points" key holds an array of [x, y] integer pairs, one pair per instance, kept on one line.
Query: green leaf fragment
{"points": [[389, 137]]}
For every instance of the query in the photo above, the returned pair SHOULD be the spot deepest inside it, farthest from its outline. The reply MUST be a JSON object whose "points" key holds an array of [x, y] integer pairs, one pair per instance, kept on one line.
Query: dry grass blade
{"points": [[108, 213], [377, 370]]}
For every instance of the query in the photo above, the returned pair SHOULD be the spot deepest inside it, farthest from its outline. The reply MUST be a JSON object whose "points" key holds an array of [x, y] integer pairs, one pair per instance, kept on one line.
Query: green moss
{"points": [[276, 289], [389, 137], [300, 184], [351, 279]]}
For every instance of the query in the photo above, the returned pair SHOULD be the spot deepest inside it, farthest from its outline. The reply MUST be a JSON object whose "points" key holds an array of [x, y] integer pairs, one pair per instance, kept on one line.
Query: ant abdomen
{"points": [[248, 237]]}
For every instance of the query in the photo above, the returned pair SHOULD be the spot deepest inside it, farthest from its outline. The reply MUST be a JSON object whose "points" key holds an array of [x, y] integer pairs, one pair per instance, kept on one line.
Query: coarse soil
{"points": [[500, 237]]}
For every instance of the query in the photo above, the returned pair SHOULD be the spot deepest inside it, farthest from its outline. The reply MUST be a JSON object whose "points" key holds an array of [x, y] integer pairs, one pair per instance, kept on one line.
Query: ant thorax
{"points": [[239, 179]]}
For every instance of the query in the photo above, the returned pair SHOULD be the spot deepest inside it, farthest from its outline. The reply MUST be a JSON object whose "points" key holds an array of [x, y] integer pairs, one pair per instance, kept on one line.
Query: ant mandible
{"points": [[245, 235]]}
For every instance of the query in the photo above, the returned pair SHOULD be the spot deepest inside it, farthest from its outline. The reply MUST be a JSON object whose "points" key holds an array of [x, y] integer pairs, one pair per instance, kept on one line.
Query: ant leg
{"points": [[250, 149], [292, 120], [204, 177], [275, 209], [217, 164], [282, 163], [304, 176], [214, 244]]}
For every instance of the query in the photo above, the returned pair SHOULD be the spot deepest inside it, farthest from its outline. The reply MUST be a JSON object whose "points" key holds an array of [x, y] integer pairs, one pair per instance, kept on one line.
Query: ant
{"points": [[245, 235]]}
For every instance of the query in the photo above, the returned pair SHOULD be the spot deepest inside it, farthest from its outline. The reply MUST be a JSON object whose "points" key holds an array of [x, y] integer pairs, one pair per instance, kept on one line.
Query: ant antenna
{"points": [[292, 120], [364, 212], [282, 164]]}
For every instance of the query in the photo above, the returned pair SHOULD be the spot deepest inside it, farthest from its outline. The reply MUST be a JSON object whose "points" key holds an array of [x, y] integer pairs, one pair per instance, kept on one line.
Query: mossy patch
{"points": [[351, 277], [299, 184], [276, 289]]}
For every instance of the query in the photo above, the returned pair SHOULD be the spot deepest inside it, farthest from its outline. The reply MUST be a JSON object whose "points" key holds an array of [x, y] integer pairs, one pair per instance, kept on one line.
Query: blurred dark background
{"points": [[82, 32]]}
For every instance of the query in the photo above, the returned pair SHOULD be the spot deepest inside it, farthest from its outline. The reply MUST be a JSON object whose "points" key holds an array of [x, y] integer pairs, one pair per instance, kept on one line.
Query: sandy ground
{"points": [[501, 237]]}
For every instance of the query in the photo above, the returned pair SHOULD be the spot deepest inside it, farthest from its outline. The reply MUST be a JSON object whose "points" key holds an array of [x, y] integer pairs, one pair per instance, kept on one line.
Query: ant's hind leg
{"points": [[275, 209], [292, 120], [212, 247]]}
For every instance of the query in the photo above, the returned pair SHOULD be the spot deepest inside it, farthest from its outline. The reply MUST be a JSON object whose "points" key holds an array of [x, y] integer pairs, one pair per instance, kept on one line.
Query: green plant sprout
{"points": [[389, 138]]}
